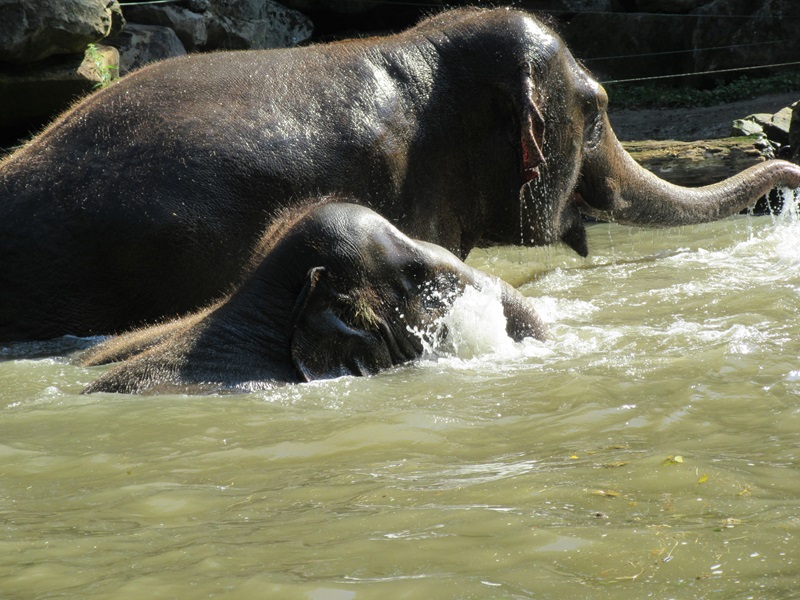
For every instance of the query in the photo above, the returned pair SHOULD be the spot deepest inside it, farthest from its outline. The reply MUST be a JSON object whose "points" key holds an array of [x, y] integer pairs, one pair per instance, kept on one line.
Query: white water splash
{"points": [[787, 229], [474, 325], [769, 253]]}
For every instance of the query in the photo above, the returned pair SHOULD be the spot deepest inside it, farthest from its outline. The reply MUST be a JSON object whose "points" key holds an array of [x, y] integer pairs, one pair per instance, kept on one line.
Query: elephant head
{"points": [[569, 163], [376, 294], [332, 290]]}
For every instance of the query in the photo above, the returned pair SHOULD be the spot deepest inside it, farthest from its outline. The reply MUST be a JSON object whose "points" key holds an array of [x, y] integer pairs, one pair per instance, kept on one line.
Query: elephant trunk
{"points": [[521, 319], [614, 187]]}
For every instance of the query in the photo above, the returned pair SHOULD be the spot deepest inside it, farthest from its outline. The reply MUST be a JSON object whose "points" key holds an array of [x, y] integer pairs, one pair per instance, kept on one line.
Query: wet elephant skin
{"points": [[145, 200]]}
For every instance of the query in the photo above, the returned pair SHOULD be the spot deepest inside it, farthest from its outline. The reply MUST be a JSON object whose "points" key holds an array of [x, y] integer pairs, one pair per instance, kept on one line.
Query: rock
{"points": [[335, 6], [745, 33], [30, 95], [584, 5], [775, 127], [666, 6], [198, 6], [648, 38], [243, 24], [750, 125], [227, 24], [794, 132], [142, 44], [31, 30], [189, 25], [100, 65]]}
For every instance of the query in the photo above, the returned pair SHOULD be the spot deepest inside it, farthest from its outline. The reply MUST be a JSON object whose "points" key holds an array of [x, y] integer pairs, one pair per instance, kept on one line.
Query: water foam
{"points": [[473, 328], [787, 230], [474, 325]]}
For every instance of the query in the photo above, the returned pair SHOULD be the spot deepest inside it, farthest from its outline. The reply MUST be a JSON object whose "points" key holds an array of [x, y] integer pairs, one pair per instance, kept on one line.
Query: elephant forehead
{"points": [[544, 38], [364, 239], [372, 233], [347, 219]]}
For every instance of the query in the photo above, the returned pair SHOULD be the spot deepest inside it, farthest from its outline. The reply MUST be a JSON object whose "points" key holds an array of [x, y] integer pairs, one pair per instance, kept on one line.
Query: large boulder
{"points": [[188, 24], [347, 7], [666, 6], [781, 130], [31, 30], [227, 24], [775, 126], [142, 44], [750, 125], [794, 132], [241, 24]]}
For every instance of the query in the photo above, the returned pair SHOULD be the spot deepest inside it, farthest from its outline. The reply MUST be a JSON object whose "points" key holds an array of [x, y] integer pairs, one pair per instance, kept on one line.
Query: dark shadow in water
{"points": [[43, 349]]}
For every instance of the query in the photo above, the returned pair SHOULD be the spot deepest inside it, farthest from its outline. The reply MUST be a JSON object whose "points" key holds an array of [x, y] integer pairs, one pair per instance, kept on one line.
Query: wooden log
{"points": [[702, 162]]}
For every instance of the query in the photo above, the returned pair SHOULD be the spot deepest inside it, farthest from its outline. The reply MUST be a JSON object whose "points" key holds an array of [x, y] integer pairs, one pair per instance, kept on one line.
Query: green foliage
{"points": [[107, 73], [660, 96]]}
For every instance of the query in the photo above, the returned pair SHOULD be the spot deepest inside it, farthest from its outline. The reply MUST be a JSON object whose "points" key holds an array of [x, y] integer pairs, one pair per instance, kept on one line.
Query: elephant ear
{"points": [[325, 343], [531, 127]]}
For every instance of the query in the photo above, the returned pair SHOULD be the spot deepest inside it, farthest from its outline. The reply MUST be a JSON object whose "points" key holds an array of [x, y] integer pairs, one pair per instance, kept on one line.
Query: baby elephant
{"points": [[333, 289]]}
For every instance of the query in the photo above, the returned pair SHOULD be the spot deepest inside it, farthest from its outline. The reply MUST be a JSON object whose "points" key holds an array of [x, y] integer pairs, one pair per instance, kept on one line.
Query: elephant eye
{"points": [[415, 274], [439, 292], [417, 271], [593, 132]]}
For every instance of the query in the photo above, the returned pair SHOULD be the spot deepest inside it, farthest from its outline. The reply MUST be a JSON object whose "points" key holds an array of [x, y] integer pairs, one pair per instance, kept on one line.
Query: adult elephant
{"points": [[333, 289], [146, 199]]}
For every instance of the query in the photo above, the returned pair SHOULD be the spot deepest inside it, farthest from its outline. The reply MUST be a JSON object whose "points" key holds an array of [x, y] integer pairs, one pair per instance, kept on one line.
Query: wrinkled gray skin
{"points": [[145, 200], [332, 290]]}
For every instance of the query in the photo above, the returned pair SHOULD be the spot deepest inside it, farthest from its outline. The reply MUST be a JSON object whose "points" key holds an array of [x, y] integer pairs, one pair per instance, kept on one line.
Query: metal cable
{"points": [[690, 50], [655, 77]]}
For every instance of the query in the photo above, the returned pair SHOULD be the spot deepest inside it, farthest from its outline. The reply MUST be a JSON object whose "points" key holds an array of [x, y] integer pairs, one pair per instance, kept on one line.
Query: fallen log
{"points": [[702, 162]]}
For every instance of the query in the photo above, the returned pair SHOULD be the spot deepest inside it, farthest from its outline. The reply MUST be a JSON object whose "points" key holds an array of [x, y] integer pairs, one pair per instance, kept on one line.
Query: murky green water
{"points": [[649, 449]]}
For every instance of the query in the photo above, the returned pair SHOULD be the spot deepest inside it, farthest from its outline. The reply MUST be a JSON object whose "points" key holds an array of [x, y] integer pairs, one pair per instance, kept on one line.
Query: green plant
{"points": [[660, 96], [107, 73]]}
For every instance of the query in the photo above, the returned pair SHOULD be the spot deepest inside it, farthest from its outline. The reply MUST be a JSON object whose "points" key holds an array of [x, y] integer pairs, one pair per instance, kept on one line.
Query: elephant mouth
{"points": [[544, 224], [573, 230]]}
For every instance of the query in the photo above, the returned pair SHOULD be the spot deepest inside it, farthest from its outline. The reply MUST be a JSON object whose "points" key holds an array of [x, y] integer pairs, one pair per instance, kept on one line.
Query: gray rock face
{"points": [[746, 33], [188, 24], [664, 37], [31, 30], [750, 125], [35, 85], [142, 44], [780, 130], [228, 24], [242, 24], [667, 6], [775, 127], [335, 6], [794, 132]]}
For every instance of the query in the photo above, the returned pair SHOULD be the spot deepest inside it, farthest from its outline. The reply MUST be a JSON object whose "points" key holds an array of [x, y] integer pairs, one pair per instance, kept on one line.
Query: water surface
{"points": [[650, 448]]}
